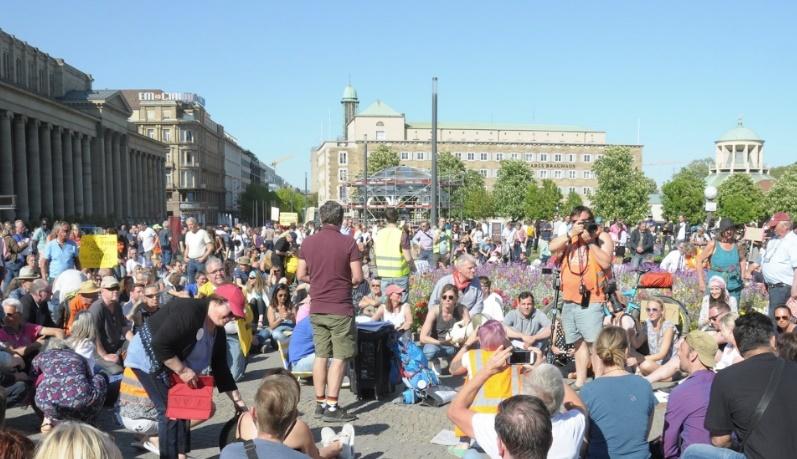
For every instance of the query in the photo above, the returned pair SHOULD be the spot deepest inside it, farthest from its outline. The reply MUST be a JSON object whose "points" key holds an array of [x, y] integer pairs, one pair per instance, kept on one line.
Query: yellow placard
{"points": [[286, 218], [98, 251], [754, 234]]}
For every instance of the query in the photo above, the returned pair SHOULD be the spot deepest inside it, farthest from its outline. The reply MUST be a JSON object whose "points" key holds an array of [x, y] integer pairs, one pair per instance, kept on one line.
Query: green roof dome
{"points": [[740, 133], [349, 93]]}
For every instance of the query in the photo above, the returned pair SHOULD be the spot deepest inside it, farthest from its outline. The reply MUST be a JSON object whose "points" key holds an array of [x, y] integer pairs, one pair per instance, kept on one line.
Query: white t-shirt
{"points": [[567, 428], [147, 238], [196, 243], [780, 259], [493, 307], [396, 318]]}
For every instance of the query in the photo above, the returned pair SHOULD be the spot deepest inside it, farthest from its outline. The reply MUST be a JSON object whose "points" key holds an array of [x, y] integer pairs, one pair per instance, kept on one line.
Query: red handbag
{"points": [[185, 402]]}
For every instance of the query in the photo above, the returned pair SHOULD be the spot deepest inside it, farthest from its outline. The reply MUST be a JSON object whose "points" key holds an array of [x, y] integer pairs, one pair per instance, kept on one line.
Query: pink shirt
{"points": [[26, 336]]}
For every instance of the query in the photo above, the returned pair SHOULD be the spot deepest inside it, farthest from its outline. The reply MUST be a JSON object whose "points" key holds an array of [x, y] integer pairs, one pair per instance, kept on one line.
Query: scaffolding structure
{"points": [[406, 188]]}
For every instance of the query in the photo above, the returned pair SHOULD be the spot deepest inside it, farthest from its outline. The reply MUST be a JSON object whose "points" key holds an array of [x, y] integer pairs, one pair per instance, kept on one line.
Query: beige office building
{"points": [[68, 151], [562, 153], [195, 159]]}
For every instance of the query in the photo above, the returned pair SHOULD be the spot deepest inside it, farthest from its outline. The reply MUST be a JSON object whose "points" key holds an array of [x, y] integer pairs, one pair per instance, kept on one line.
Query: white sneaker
{"points": [[327, 436], [348, 432]]}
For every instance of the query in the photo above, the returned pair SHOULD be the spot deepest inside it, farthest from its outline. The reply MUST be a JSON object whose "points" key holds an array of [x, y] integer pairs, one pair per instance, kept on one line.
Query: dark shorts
{"points": [[334, 336]]}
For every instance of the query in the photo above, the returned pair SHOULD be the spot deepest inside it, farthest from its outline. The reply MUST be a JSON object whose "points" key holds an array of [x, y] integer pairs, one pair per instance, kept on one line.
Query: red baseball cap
{"points": [[234, 297], [393, 288], [779, 217]]}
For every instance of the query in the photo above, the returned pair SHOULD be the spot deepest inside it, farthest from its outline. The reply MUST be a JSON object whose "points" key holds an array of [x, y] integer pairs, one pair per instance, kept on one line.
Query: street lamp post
{"points": [[710, 193], [365, 181]]}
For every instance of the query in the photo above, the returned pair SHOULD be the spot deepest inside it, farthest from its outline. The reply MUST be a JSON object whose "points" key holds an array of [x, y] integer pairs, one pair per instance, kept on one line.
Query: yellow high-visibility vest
{"points": [[390, 260]]}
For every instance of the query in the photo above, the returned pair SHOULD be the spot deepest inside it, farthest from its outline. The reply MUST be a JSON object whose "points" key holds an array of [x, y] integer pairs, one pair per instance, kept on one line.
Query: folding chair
{"points": [[284, 359]]}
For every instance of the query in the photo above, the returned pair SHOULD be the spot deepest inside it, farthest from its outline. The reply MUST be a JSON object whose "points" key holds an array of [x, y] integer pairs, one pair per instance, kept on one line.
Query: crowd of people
{"points": [[180, 305]]}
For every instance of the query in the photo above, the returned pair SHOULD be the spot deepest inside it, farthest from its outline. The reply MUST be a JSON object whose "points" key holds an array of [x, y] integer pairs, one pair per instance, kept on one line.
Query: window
{"points": [[542, 174], [499, 156], [168, 179], [529, 157], [419, 156], [485, 156], [597, 157], [571, 174], [343, 174], [150, 113], [587, 175], [151, 133], [572, 189], [458, 155], [342, 195], [343, 158], [557, 174], [404, 155], [167, 114], [557, 158], [187, 136], [483, 172], [571, 158], [380, 135], [544, 157], [188, 158], [586, 191], [471, 156], [167, 135], [515, 156], [587, 158], [379, 124]]}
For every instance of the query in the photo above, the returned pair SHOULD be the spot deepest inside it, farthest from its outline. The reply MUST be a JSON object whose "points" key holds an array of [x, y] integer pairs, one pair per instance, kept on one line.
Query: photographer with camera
{"points": [[585, 255]]}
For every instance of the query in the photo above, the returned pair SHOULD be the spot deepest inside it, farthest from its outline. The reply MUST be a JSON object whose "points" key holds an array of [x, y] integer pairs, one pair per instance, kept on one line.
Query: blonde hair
{"points": [[82, 328], [275, 405], [611, 346], [728, 322], [74, 440]]}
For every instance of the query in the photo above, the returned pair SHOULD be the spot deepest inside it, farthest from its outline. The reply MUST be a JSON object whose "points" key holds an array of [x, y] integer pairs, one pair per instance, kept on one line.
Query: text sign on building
{"points": [[188, 97]]}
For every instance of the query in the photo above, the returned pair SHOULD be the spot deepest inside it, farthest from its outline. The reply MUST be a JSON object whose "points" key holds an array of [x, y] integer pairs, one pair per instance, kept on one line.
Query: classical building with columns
{"points": [[562, 153], [195, 157], [739, 151], [67, 151]]}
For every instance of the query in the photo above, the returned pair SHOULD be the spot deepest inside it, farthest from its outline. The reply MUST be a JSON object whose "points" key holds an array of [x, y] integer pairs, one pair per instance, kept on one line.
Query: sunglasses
{"points": [[782, 317], [151, 296], [448, 297], [713, 318]]}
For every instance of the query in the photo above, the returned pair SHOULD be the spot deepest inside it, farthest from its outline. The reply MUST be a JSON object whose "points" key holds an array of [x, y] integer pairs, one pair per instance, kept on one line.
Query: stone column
{"points": [[88, 196], [45, 148], [142, 184], [98, 174], [21, 168], [34, 170], [161, 189], [147, 186], [69, 175], [58, 171], [6, 159], [138, 192], [127, 190], [77, 169], [117, 174], [109, 187]]}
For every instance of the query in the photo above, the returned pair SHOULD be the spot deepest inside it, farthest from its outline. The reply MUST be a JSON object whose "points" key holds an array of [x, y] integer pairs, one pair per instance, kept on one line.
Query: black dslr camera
{"points": [[590, 226]]}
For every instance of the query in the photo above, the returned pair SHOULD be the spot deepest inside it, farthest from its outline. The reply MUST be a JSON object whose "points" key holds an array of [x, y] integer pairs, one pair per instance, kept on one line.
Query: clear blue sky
{"points": [[273, 72]]}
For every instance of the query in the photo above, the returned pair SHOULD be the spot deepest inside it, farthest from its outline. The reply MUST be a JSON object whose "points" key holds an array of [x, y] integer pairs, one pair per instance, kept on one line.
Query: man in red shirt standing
{"points": [[331, 263]]}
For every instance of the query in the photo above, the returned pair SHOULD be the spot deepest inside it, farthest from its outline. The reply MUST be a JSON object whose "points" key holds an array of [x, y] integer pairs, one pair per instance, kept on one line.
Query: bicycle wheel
{"points": [[685, 322]]}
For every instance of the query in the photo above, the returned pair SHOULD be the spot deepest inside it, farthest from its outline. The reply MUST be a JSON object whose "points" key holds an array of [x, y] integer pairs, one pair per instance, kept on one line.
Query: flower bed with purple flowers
{"points": [[509, 280]]}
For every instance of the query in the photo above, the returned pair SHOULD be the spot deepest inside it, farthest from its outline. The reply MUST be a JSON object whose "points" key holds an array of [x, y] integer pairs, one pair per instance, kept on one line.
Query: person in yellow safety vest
{"points": [[392, 254], [506, 383]]}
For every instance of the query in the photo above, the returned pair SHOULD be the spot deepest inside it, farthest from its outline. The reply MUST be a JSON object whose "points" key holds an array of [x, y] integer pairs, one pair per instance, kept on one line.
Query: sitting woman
{"points": [[394, 311], [730, 354], [68, 389], [784, 320], [620, 404], [717, 291], [281, 315], [257, 297], [299, 437], [659, 334], [440, 320]]}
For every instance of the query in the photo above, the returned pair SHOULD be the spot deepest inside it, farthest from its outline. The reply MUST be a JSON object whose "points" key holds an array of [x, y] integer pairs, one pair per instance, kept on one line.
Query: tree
{"points": [[543, 201], [741, 200], [477, 203], [468, 194], [290, 200], [256, 202], [783, 195], [623, 190], [382, 158], [683, 195], [573, 199], [699, 167], [511, 187], [778, 171]]}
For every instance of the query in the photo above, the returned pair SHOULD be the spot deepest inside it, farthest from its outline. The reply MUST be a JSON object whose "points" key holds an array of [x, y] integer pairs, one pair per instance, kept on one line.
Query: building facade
{"points": [[68, 151], [739, 151], [564, 154], [195, 158]]}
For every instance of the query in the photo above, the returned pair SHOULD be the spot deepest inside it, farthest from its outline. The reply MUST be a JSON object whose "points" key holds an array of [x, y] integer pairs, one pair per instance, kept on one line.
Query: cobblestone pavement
{"points": [[383, 429]]}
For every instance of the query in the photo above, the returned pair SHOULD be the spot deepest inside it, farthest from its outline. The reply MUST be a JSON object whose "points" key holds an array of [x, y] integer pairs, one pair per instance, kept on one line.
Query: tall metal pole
{"points": [[365, 181], [305, 197], [434, 152]]}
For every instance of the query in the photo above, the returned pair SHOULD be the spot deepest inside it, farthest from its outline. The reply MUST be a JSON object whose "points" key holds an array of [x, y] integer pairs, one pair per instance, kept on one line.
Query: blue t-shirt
{"points": [[264, 449], [60, 258], [301, 343], [619, 411]]}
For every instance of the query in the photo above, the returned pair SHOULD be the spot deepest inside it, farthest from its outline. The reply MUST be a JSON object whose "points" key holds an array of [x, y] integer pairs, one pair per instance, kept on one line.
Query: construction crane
{"points": [[279, 160]]}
